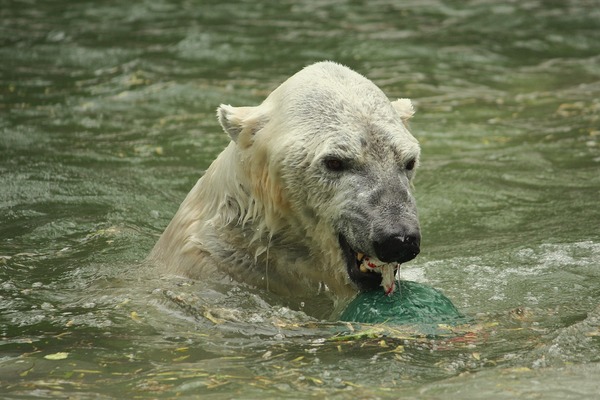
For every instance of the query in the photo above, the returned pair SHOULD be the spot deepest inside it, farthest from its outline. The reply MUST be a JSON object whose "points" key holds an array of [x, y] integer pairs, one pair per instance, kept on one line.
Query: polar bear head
{"points": [[328, 161]]}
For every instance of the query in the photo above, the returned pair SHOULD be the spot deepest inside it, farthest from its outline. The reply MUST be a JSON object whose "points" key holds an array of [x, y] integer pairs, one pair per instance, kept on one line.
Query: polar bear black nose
{"points": [[398, 248]]}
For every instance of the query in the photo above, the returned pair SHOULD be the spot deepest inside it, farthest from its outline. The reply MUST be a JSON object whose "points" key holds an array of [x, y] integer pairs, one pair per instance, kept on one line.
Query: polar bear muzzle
{"points": [[370, 272]]}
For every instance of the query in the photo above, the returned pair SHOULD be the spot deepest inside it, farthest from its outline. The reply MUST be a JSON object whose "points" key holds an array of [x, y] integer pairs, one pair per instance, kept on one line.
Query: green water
{"points": [[107, 120]]}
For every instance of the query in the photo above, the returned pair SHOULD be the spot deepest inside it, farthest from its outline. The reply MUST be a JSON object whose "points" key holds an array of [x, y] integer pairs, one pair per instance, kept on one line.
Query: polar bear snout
{"points": [[394, 234], [397, 247]]}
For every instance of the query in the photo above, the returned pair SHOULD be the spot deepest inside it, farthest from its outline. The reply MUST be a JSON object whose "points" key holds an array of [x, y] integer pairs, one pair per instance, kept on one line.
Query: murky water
{"points": [[107, 120]]}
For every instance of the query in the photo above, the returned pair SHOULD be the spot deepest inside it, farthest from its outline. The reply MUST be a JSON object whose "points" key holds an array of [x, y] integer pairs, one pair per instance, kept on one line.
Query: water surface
{"points": [[107, 120]]}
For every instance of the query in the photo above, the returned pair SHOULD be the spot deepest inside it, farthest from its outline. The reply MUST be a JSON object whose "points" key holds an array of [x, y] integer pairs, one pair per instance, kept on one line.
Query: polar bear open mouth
{"points": [[368, 272]]}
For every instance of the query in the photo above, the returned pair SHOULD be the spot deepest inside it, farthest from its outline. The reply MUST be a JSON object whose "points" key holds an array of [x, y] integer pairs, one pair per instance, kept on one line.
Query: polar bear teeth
{"points": [[387, 270]]}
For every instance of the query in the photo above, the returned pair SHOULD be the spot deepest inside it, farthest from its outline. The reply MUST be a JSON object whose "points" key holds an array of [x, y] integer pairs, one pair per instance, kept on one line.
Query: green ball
{"points": [[411, 303]]}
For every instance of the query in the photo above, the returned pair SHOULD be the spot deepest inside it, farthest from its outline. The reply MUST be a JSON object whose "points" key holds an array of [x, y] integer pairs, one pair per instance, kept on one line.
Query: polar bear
{"points": [[315, 179]]}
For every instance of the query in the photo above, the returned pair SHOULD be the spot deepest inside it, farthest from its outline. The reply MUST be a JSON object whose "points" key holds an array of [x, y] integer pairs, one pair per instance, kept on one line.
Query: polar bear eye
{"points": [[410, 165], [334, 164]]}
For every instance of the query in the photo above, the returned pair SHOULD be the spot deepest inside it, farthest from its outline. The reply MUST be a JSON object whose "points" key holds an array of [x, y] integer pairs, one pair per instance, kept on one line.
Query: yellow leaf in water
{"points": [[399, 349], [217, 321], [520, 369], [56, 356], [135, 316], [593, 333], [315, 380], [476, 356]]}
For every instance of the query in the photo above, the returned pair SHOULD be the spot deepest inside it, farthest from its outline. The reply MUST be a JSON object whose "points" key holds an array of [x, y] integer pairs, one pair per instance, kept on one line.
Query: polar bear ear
{"points": [[240, 120], [405, 108]]}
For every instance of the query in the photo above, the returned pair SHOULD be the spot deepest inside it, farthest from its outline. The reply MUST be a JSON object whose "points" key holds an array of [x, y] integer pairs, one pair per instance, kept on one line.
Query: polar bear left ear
{"points": [[405, 108], [240, 121]]}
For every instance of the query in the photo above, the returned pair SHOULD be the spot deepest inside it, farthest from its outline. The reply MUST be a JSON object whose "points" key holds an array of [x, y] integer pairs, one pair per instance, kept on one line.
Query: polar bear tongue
{"points": [[387, 271]]}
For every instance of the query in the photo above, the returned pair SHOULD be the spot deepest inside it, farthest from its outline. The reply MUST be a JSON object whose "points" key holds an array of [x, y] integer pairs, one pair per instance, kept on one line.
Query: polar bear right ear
{"points": [[240, 121], [405, 108]]}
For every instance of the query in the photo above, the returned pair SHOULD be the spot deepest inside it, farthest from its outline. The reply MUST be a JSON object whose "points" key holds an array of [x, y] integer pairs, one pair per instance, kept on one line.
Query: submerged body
{"points": [[314, 178]]}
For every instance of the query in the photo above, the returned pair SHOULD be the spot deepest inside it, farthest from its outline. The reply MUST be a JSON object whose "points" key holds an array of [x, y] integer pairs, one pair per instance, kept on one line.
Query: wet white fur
{"points": [[251, 217]]}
